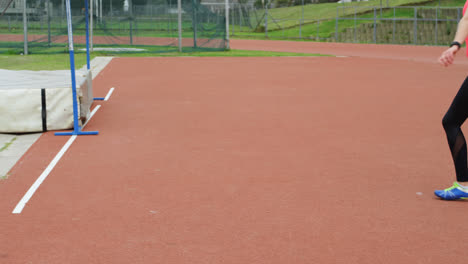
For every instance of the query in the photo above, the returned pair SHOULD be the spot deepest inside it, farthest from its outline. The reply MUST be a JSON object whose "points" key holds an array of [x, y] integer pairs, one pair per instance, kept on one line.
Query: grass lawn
{"points": [[36, 62], [327, 26]]}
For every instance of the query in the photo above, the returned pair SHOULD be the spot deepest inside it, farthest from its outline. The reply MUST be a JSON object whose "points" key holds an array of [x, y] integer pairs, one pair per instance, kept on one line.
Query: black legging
{"points": [[452, 121]]}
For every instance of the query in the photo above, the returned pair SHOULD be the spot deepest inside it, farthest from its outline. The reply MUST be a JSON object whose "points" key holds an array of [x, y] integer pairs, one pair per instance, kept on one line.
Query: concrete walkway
{"points": [[14, 146]]}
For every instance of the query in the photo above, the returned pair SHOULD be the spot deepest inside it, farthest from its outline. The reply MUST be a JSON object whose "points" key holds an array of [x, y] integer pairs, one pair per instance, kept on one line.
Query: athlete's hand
{"points": [[448, 56]]}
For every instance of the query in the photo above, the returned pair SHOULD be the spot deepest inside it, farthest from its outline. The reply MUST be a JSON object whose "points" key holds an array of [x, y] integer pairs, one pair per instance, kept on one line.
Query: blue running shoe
{"points": [[455, 192]]}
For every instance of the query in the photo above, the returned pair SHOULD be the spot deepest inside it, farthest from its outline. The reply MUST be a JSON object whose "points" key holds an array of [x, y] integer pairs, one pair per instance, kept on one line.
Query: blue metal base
{"points": [[99, 98], [76, 133]]}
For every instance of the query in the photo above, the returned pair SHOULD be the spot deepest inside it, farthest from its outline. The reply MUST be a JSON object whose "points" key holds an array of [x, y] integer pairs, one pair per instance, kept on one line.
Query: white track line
{"points": [[19, 207], [91, 115], [109, 94]]}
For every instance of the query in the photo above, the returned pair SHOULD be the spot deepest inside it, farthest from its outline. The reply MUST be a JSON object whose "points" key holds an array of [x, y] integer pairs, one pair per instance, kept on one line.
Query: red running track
{"points": [[247, 160]]}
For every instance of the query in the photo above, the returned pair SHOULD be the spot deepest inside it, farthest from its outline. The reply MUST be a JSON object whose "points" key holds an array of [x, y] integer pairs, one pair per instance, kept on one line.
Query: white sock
{"points": [[464, 185]]}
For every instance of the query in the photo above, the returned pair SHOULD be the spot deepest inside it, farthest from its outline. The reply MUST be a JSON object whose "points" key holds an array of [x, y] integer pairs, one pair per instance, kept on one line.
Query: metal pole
{"points": [[227, 24], [336, 24], [25, 29], [375, 26], [302, 20], [91, 26], [48, 22], [318, 29], [130, 9], [436, 24], [240, 13], [100, 11], [87, 34], [415, 34], [394, 26], [179, 18], [233, 21], [76, 125], [355, 25], [380, 8], [194, 24], [266, 19]]}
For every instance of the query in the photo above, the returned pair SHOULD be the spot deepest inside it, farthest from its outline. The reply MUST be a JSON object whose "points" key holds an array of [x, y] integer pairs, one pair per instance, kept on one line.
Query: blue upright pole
{"points": [[76, 125], [87, 34], [87, 45]]}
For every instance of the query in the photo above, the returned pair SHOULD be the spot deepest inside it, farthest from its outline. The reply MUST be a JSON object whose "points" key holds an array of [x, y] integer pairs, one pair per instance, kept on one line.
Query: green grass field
{"points": [[38, 62], [326, 14]]}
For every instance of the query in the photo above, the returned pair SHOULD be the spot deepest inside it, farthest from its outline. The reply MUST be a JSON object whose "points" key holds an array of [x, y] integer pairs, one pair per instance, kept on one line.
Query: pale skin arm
{"points": [[448, 55]]}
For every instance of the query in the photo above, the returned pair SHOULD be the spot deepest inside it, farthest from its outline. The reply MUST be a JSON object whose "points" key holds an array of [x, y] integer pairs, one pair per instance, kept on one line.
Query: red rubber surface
{"points": [[248, 160]]}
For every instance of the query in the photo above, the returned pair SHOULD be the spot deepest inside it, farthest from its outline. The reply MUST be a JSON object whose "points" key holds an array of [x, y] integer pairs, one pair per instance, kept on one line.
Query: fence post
{"points": [[380, 8], [25, 28], [302, 20], [179, 19], [100, 11], [227, 23], [266, 19], [355, 24], [436, 24], [240, 17], [336, 24], [233, 20], [375, 26], [194, 23], [130, 9], [135, 22], [394, 26], [318, 28], [415, 40], [48, 22], [300, 29]]}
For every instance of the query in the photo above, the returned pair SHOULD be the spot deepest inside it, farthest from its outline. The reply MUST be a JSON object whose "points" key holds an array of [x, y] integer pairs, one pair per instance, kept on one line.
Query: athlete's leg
{"points": [[452, 122]]}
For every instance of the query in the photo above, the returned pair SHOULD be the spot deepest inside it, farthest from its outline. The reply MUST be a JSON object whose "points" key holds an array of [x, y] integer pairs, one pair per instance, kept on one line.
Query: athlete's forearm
{"points": [[462, 30]]}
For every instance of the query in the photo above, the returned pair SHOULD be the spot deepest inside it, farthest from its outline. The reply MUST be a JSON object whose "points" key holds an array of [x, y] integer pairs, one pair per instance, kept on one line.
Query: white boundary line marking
{"points": [[22, 203], [109, 94], [91, 115], [19, 207]]}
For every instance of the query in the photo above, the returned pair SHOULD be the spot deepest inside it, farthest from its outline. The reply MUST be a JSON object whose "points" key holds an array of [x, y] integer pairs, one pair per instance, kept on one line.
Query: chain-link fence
{"points": [[398, 25], [115, 25], [203, 23], [418, 25]]}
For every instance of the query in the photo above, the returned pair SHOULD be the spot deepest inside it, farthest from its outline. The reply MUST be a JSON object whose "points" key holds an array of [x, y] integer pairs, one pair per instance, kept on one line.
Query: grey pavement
{"points": [[14, 146]]}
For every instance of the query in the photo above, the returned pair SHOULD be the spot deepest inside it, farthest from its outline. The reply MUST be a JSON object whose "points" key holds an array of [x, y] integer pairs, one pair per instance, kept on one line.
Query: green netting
{"points": [[117, 26]]}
